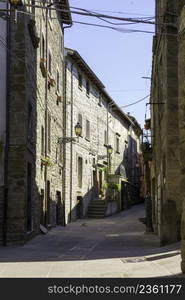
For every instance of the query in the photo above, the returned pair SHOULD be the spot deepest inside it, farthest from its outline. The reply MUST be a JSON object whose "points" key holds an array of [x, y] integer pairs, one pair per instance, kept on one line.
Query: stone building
{"points": [[165, 173], [87, 163], [181, 103], [31, 178]]}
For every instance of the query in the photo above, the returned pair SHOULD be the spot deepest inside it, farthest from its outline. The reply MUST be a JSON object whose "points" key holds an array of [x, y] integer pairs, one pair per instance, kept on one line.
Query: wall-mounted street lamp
{"points": [[78, 129], [78, 132], [110, 149]]}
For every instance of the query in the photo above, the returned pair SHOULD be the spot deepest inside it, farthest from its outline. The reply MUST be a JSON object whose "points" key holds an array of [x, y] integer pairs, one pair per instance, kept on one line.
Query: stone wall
{"points": [[98, 114], [32, 103], [165, 141], [182, 122]]}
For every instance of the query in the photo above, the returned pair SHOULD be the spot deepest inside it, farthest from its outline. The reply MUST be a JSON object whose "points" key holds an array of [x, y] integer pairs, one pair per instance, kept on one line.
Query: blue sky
{"points": [[119, 59]]}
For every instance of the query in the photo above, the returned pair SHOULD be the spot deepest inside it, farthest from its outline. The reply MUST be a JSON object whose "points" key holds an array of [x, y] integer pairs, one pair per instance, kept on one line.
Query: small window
{"points": [[61, 43], [117, 144], [105, 137], [80, 120], [87, 129], [80, 171], [60, 154], [49, 63], [87, 87], [43, 47], [42, 140], [49, 133], [100, 100], [58, 81], [79, 79], [50, 10]]}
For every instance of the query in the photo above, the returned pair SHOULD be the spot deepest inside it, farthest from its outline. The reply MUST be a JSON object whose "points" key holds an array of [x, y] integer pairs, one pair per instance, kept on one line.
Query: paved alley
{"points": [[116, 246]]}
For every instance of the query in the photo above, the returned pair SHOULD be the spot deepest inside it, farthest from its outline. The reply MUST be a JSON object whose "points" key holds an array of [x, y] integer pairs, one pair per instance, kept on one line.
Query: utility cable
{"points": [[140, 100], [104, 16]]}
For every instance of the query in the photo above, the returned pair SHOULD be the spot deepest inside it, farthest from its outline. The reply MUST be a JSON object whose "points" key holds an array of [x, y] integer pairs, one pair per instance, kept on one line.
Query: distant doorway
{"points": [[124, 195], [100, 180], [79, 207], [48, 203], [29, 198], [42, 214], [60, 214], [95, 184]]}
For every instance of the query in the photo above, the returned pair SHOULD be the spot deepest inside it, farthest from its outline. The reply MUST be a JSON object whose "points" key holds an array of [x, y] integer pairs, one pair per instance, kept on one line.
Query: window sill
{"points": [[99, 104], [88, 96], [80, 88], [88, 140], [117, 152]]}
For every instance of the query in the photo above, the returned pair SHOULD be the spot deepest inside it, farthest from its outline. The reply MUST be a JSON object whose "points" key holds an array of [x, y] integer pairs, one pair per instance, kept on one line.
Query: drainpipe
{"points": [[64, 134], [71, 146], [6, 151], [46, 120], [108, 155]]}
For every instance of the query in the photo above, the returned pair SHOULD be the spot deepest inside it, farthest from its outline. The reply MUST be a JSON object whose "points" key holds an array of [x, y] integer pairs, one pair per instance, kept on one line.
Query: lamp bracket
{"points": [[64, 140]]}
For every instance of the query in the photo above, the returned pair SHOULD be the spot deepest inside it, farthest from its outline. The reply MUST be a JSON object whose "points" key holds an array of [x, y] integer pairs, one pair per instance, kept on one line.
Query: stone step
{"points": [[96, 216], [98, 202], [96, 209], [96, 213], [92, 208]]}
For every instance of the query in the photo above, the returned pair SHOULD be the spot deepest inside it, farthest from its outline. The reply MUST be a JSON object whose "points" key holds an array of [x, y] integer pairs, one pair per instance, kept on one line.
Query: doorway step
{"points": [[97, 209]]}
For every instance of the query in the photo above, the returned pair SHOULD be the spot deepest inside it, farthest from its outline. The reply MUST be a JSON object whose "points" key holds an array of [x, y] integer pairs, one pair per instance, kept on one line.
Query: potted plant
{"points": [[46, 161], [51, 82]]}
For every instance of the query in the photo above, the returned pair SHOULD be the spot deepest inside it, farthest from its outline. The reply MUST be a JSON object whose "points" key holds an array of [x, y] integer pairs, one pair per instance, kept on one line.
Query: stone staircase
{"points": [[97, 209]]}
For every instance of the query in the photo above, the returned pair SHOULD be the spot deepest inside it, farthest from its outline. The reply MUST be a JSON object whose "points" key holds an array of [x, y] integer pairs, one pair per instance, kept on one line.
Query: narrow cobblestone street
{"points": [[116, 246]]}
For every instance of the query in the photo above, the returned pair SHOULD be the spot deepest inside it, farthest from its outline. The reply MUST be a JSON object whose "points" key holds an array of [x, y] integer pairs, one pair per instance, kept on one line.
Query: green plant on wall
{"points": [[111, 189], [46, 161], [112, 186], [103, 169]]}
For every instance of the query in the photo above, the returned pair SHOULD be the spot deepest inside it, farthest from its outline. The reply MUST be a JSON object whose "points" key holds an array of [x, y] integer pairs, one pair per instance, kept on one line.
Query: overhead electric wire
{"points": [[92, 13], [100, 10], [140, 100], [103, 16], [125, 30]]}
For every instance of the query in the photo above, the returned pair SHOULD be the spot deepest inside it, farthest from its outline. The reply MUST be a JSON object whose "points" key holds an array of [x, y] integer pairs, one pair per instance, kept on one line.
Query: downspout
{"points": [[108, 158], [64, 128], [46, 122], [64, 133], [6, 153], [108, 155], [71, 146]]}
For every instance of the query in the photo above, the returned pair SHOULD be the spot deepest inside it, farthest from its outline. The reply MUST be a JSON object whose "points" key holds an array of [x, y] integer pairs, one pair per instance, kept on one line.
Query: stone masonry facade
{"points": [[46, 180], [167, 171], [181, 102], [165, 135], [33, 192], [103, 124]]}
